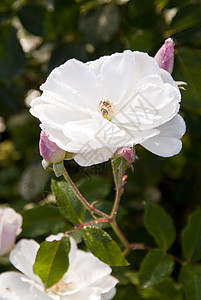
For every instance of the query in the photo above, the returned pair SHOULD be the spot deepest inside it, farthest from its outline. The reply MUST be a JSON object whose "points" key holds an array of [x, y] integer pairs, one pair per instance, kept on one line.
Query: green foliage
{"points": [[165, 290], [94, 188], [34, 18], [101, 245], [160, 225], [68, 203], [43, 220], [155, 268], [191, 238], [190, 279], [52, 261], [10, 48]]}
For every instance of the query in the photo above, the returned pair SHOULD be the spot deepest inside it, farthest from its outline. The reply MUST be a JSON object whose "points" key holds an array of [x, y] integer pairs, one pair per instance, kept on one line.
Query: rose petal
{"points": [[167, 143], [13, 286], [23, 257]]}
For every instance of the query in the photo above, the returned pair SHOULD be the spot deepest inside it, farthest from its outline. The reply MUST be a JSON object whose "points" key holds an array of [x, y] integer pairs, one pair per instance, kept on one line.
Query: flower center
{"points": [[59, 287], [106, 109]]}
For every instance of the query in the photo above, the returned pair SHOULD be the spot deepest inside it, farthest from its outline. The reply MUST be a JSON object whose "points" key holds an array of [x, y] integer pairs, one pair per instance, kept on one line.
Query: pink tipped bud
{"points": [[49, 150], [126, 153], [165, 56], [10, 227]]}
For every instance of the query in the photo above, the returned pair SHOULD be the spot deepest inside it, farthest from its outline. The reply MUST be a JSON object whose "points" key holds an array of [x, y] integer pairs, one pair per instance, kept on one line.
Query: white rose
{"points": [[92, 109], [86, 278], [10, 227]]}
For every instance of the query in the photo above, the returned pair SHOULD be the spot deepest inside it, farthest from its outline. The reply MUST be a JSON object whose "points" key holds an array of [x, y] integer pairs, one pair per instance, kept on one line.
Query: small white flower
{"points": [[87, 277], [10, 227], [92, 109]]}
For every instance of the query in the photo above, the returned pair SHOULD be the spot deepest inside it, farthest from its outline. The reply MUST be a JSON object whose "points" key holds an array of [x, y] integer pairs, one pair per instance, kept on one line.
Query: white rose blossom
{"points": [[94, 108], [86, 278]]}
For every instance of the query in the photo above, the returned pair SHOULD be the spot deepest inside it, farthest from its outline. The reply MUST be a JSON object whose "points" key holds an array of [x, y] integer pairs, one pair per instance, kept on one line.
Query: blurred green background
{"points": [[38, 35]]}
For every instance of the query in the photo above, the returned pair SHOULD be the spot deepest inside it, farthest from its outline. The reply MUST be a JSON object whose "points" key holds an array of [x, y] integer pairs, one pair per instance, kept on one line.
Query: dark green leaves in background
{"points": [[10, 49], [156, 267], [190, 279], [191, 238], [160, 225]]}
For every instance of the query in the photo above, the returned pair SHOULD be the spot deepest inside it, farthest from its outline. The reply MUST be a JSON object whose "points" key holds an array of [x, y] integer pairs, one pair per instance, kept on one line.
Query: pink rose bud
{"points": [[49, 150], [10, 227], [165, 56], [126, 153]]}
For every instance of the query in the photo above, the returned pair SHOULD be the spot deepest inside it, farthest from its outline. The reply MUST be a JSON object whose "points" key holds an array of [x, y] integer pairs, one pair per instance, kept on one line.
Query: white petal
{"points": [[109, 295], [13, 286], [136, 136], [97, 132], [151, 105], [167, 78], [57, 117], [54, 237], [167, 143], [94, 157], [105, 284], [57, 136], [90, 268], [80, 78], [96, 64], [174, 128], [39, 294], [84, 294], [145, 65], [23, 257], [116, 75]]}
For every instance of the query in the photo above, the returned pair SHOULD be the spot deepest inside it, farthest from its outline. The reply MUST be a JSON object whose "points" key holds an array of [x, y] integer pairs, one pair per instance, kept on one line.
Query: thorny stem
{"points": [[119, 188], [99, 220], [121, 236], [89, 206], [138, 246]]}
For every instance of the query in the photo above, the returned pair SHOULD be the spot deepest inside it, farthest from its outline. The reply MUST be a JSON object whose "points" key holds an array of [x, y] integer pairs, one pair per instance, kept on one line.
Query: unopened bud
{"points": [[126, 153], [49, 150], [165, 56], [10, 227]]}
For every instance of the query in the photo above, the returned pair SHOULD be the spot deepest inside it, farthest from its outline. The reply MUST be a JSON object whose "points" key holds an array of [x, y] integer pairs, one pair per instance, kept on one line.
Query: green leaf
{"points": [[159, 225], [140, 14], [34, 18], [165, 290], [68, 203], [52, 261], [129, 292], [102, 246], [190, 279], [43, 220], [155, 268], [191, 237], [94, 188], [10, 49], [186, 17]]}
